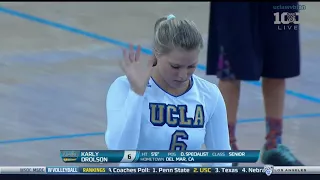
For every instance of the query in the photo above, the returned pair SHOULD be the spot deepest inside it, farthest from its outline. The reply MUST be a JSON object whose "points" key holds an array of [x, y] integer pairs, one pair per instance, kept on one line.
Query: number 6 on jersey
{"points": [[176, 140]]}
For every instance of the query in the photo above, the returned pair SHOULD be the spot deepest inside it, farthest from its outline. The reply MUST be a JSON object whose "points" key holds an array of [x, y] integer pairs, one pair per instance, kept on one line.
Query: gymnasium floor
{"points": [[57, 61]]}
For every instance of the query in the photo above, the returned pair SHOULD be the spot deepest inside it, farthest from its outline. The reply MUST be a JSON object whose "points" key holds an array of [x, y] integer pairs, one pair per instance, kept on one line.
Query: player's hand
{"points": [[137, 72]]}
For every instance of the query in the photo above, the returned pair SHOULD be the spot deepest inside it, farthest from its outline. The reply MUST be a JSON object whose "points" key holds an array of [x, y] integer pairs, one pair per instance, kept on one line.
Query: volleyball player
{"points": [[164, 106]]}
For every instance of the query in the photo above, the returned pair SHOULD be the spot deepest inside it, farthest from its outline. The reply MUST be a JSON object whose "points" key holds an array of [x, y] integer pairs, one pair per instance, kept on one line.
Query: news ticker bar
{"points": [[110, 156], [158, 170]]}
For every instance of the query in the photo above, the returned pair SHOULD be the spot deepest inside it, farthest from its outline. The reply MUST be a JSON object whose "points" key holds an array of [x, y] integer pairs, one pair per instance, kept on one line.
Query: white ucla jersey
{"points": [[161, 121]]}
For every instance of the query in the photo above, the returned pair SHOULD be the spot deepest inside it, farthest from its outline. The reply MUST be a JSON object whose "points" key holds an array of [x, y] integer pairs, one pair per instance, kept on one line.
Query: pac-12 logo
{"points": [[286, 21], [268, 169]]}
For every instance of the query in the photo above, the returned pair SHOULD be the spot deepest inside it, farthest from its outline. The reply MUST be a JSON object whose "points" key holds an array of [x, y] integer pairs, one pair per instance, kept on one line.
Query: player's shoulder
{"points": [[205, 86], [209, 91], [121, 82]]}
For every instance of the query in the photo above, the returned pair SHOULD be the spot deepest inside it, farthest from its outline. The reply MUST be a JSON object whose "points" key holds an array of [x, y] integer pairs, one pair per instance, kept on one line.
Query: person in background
{"points": [[245, 44]]}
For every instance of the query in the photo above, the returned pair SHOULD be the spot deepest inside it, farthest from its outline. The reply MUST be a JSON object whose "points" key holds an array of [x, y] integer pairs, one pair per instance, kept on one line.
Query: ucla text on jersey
{"points": [[163, 114]]}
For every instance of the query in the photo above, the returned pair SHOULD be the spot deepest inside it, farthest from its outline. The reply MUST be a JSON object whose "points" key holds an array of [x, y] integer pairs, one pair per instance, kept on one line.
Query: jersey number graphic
{"points": [[177, 142]]}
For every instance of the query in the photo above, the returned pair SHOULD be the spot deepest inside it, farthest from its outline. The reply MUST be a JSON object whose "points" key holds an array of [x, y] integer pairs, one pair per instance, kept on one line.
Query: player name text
{"points": [[92, 154]]}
